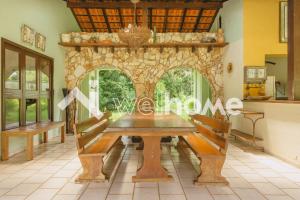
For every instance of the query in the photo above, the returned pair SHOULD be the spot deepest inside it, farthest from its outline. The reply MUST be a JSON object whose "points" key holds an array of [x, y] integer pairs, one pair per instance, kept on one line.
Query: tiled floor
{"points": [[252, 176]]}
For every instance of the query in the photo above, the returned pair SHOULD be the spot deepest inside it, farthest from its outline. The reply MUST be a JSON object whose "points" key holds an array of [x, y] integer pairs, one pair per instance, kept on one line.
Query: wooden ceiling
{"points": [[165, 15]]}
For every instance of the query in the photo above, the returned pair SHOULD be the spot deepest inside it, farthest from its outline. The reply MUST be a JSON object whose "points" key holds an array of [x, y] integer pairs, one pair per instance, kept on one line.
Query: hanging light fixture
{"points": [[135, 36]]}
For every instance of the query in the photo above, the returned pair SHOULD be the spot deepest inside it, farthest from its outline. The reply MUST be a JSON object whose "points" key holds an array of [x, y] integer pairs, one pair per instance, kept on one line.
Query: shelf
{"points": [[209, 46]]}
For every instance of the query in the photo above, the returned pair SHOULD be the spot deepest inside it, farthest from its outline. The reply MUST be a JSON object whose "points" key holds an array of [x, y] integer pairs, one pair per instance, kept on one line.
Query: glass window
{"points": [[44, 106], [45, 75], [30, 73], [12, 113], [12, 69], [31, 111]]}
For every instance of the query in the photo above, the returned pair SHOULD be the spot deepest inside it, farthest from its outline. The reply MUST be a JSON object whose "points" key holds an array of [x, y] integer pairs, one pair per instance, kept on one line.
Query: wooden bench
{"points": [[93, 147], [28, 132], [209, 144]]}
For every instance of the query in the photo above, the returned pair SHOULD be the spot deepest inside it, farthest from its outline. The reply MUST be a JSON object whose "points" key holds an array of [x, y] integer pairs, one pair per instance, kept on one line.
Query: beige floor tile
{"points": [[278, 197], [146, 184], [38, 178], [226, 197], [124, 177], [23, 189], [53, 183], [267, 188], [215, 189], [283, 183], [254, 178], [119, 197], [122, 188], [172, 197], [10, 183], [146, 194], [98, 185], [65, 173], [5, 197], [95, 194], [295, 193], [72, 188], [3, 191], [238, 183], [66, 197], [249, 194], [170, 188], [44, 194], [197, 193]]}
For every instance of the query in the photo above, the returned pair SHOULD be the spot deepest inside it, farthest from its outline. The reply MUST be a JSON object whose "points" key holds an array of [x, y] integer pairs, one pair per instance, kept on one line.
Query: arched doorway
{"points": [[180, 88], [110, 90]]}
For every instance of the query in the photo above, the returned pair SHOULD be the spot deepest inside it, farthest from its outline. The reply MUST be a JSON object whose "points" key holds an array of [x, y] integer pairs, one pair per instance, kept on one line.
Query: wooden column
{"points": [[294, 50]]}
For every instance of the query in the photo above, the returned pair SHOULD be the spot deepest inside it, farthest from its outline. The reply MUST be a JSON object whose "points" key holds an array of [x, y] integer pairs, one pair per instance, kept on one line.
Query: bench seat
{"points": [[209, 144], [93, 146], [29, 132]]}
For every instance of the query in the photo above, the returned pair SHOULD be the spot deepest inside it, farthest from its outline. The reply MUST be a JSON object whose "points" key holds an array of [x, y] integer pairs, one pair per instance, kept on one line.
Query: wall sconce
{"points": [[229, 67]]}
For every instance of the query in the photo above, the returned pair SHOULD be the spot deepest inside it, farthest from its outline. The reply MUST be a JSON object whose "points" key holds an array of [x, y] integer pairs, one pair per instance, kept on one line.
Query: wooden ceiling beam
{"points": [[198, 20], [106, 20], [183, 19], [146, 4]]}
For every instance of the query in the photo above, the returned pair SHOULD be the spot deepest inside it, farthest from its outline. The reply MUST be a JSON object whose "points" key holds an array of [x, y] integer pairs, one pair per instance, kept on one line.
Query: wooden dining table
{"points": [[151, 128]]}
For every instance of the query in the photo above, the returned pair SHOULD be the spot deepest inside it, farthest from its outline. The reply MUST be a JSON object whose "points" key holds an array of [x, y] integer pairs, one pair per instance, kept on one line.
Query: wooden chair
{"points": [[209, 144], [93, 147]]}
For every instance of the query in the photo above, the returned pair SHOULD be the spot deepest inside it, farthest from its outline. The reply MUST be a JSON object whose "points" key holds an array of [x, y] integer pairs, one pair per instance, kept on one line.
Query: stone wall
{"points": [[145, 68]]}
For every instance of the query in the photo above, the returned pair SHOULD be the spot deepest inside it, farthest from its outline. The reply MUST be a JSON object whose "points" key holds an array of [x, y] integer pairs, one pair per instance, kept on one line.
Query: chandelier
{"points": [[135, 36]]}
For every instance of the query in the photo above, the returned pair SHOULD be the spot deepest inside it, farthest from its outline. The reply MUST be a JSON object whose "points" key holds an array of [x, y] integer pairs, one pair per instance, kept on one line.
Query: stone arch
{"points": [[146, 68]]}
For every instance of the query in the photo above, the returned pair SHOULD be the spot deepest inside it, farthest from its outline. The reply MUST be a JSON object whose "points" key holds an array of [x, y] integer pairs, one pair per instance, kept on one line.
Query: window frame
{"points": [[22, 93]]}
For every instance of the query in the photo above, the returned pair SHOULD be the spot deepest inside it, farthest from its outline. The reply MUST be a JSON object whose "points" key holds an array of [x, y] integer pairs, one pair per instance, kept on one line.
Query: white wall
{"points": [[280, 129], [49, 17], [232, 17]]}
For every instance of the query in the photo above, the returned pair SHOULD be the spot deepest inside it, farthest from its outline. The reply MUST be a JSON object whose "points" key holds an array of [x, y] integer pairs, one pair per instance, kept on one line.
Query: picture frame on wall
{"points": [[283, 21], [27, 34], [40, 41], [254, 74]]}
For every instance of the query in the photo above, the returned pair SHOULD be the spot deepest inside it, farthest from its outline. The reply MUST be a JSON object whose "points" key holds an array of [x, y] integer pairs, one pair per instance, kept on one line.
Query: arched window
{"points": [[179, 89]]}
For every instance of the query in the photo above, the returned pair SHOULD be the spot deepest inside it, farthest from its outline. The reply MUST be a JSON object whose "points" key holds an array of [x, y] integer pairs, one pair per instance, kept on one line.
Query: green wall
{"points": [[48, 17]]}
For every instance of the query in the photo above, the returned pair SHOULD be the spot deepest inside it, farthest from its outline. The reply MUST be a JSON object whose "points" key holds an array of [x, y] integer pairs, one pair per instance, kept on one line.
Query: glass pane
{"points": [[12, 113], [30, 111], [12, 70], [30, 73], [44, 109], [45, 75]]}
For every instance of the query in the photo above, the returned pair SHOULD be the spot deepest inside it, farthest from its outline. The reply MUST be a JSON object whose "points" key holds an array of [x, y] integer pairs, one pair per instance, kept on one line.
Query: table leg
{"points": [[29, 147], [4, 146], [62, 134], [151, 169], [45, 137]]}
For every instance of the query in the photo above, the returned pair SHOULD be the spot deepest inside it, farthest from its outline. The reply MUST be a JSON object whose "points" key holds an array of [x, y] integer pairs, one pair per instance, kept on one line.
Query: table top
{"points": [[154, 124]]}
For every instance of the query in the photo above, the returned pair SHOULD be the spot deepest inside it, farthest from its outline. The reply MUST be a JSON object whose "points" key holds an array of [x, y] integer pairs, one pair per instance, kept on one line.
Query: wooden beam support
{"points": [[92, 22], [214, 18], [106, 20], [198, 20], [145, 4], [182, 21], [166, 21], [121, 19]]}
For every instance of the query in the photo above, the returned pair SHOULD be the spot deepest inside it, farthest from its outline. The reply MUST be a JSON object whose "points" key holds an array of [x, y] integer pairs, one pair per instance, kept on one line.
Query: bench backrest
{"points": [[89, 129], [216, 131]]}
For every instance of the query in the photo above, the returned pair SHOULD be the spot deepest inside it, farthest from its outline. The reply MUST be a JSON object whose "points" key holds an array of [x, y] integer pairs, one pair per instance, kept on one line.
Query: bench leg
{"points": [[62, 134], [92, 168], [29, 147], [45, 137], [4, 146], [210, 168]]}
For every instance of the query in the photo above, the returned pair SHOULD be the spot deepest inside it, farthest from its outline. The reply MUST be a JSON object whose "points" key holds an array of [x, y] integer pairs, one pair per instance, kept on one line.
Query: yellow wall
{"points": [[261, 31]]}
